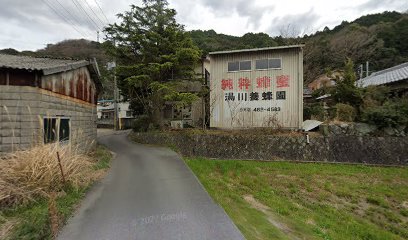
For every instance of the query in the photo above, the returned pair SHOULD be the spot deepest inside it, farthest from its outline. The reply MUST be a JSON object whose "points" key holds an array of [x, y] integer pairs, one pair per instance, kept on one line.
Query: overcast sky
{"points": [[31, 24]]}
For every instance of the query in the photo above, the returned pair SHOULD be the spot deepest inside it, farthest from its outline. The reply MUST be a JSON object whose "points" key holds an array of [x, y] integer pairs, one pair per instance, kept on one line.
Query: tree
{"points": [[346, 90], [153, 51]]}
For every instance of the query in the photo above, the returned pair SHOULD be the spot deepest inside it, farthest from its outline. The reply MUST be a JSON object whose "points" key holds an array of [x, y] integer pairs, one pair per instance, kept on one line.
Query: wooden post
{"points": [[60, 166]]}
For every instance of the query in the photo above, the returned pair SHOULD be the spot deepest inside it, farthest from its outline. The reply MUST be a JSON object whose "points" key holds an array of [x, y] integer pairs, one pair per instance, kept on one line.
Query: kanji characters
{"points": [[229, 96], [267, 96], [263, 82], [244, 83], [226, 84], [280, 95], [253, 96], [282, 81]]}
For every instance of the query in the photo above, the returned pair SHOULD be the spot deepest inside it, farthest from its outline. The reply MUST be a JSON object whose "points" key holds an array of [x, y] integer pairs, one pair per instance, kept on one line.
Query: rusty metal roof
{"points": [[46, 65], [257, 49], [386, 76]]}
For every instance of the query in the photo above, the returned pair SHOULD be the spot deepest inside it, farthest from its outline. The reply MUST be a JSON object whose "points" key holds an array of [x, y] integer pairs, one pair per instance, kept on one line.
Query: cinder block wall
{"points": [[22, 109]]}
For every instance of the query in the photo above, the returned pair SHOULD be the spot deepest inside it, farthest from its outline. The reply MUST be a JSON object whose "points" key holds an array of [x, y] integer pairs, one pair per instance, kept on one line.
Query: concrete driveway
{"points": [[149, 193]]}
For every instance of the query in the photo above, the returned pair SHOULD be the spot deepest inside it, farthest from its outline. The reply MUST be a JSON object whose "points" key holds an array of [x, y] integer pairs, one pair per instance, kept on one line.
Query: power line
{"points": [[79, 6], [72, 16], [97, 17], [63, 17], [107, 21]]}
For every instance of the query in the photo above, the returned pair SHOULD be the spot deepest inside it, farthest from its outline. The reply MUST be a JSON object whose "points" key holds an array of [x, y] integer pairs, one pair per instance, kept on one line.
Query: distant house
{"points": [[325, 80], [395, 77], [45, 100], [191, 115], [106, 114]]}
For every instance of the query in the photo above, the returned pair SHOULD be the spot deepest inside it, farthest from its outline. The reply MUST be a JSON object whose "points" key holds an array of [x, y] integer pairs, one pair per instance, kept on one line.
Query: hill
{"points": [[377, 38]]}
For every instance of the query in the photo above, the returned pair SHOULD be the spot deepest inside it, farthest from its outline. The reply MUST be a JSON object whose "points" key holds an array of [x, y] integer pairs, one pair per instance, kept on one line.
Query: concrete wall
{"points": [[22, 109], [351, 149]]}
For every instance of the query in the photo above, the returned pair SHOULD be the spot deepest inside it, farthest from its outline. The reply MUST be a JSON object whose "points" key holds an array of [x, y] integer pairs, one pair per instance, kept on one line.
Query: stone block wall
{"points": [[350, 149], [22, 109]]}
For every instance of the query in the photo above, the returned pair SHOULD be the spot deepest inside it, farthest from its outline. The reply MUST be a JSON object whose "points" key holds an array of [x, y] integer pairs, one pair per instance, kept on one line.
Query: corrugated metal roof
{"points": [[46, 65], [389, 75], [256, 49]]}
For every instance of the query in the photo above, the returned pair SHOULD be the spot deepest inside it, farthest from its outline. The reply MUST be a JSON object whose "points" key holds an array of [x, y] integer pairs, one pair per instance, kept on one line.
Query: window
{"points": [[272, 63], [275, 63], [239, 66], [128, 113], [245, 66], [233, 66], [50, 129], [261, 64]]}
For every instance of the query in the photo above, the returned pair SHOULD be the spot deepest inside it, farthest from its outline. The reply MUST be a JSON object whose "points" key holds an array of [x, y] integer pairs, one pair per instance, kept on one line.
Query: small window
{"points": [[233, 66], [245, 65], [275, 63], [128, 113], [261, 64], [50, 130]]}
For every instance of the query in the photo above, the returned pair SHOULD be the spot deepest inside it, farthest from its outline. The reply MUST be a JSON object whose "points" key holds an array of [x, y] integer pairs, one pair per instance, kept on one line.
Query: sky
{"points": [[31, 24]]}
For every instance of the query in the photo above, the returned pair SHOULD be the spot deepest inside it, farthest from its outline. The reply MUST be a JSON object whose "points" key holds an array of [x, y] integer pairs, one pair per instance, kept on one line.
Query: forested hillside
{"points": [[380, 39]]}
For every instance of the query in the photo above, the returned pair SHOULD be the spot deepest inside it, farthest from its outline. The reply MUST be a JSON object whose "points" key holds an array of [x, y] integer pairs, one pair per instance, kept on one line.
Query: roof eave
{"points": [[256, 49]]}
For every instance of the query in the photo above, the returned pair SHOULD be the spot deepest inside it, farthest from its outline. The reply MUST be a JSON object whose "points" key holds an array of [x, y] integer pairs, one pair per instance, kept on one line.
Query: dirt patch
{"points": [[273, 219]]}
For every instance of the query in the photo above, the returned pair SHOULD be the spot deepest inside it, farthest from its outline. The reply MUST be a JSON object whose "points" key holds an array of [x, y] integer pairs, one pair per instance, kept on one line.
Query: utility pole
{"points": [[361, 70], [112, 65], [367, 72], [97, 36]]}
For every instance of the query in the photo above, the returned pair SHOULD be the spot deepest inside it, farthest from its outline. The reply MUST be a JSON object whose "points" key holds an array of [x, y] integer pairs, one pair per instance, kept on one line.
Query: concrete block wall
{"points": [[22, 109]]}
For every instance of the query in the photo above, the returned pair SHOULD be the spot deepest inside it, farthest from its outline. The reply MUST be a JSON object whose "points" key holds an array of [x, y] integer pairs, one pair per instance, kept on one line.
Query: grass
{"points": [[283, 200], [31, 221]]}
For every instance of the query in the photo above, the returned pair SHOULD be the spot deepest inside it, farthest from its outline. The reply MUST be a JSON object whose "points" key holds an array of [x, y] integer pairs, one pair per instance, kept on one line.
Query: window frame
{"points": [[228, 63], [239, 66], [269, 68], [250, 69], [57, 137]]}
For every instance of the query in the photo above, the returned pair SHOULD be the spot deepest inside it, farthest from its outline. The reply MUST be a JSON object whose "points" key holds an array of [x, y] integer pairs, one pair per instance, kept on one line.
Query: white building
{"points": [[260, 87]]}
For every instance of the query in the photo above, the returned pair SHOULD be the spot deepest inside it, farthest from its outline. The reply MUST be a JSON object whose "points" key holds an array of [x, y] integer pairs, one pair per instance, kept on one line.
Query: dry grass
{"points": [[28, 174]]}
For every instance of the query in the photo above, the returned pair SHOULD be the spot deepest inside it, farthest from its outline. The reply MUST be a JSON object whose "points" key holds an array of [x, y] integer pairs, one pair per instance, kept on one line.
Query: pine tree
{"points": [[153, 51]]}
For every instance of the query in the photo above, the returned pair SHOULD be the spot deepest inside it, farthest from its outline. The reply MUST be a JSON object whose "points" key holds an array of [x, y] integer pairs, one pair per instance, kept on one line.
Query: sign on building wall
{"points": [[257, 89], [256, 98]]}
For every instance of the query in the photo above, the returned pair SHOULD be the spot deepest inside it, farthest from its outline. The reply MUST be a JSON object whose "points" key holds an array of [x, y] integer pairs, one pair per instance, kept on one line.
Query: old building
{"points": [[185, 115], [396, 78], [325, 80], [106, 114], [257, 88], [45, 100]]}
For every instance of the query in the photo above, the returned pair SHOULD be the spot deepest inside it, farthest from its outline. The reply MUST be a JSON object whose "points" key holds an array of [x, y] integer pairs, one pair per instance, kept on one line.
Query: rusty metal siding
{"points": [[235, 114], [75, 83]]}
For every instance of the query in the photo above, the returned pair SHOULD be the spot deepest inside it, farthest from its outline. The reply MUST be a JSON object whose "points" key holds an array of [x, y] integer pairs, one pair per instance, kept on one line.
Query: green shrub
{"points": [[314, 110], [391, 114], [345, 112], [141, 124], [374, 96]]}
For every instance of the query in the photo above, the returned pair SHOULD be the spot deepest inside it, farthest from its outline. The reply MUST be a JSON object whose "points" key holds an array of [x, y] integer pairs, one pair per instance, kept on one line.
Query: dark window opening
{"points": [[275, 63], [245, 65], [272, 63], [233, 66], [261, 64], [50, 130]]}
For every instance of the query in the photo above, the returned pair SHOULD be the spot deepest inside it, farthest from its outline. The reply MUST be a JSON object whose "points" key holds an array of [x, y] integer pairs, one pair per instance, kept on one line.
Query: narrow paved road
{"points": [[149, 193]]}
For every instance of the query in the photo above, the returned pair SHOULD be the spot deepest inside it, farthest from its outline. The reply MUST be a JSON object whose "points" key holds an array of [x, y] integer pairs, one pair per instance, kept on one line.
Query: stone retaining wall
{"points": [[351, 149]]}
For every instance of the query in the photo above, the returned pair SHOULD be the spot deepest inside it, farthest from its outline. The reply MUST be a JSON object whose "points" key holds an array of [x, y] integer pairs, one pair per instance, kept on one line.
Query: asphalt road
{"points": [[149, 193]]}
